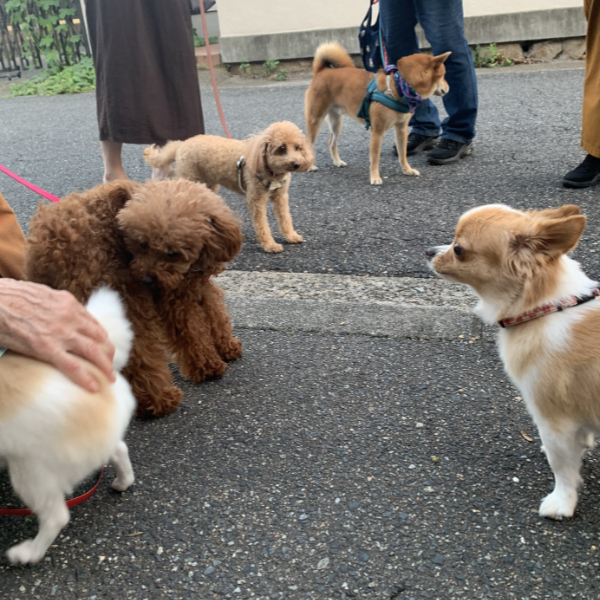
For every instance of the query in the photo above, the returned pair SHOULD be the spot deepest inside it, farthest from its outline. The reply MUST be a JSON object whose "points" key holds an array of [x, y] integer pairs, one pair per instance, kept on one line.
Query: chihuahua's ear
{"points": [[438, 60], [568, 210], [555, 237]]}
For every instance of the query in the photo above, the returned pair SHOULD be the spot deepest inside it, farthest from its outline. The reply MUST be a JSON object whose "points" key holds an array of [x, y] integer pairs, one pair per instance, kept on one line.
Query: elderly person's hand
{"points": [[52, 326]]}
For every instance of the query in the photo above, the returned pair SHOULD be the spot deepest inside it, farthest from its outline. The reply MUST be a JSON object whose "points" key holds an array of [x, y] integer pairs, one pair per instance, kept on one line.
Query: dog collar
{"points": [[405, 91], [550, 307], [2, 350], [240, 165]]}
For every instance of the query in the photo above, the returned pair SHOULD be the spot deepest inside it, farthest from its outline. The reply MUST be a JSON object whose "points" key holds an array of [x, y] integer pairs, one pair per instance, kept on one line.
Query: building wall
{"points": [[284, 29]]}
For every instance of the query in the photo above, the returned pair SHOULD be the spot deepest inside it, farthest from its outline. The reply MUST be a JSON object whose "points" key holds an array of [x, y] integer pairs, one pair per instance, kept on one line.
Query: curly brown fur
{"points": [[270, 158], [156, 244]]}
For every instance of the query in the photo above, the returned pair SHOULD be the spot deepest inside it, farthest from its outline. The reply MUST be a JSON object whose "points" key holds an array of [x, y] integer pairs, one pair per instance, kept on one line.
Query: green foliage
{"points": [[490, 57], [270, 67], [44, 28], [200, 42], [68, 80], [245, 68], [282, 75]]}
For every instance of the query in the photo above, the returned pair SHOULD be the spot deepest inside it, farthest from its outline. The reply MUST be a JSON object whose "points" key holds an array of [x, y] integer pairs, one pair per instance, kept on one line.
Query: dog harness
{"points": [[268, 184], [409, 99], [550, 307]]}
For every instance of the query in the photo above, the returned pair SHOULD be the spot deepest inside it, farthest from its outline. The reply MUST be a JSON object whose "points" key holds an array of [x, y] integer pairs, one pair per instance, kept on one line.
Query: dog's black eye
{"points": [[144, 245], [172, 254], [282, 149], [297, 148], [458, 250]]}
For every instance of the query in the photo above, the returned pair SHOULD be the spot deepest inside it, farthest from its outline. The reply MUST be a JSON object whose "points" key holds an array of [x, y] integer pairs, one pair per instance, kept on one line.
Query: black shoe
{"points": [[586, 174], [448, 151], [417, 143]]}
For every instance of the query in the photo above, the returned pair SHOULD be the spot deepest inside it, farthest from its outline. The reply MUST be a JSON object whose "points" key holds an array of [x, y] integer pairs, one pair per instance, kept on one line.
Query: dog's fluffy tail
{"points": [[107, 308], [161, 157], [331, 55]]}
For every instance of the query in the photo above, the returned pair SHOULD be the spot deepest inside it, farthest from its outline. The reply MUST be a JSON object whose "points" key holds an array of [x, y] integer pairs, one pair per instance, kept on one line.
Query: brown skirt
{"points": [[147, 87]]}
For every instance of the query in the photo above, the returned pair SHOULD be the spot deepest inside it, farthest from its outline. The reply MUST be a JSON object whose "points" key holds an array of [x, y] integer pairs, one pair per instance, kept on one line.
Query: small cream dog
{"points": [[258, 168], [549, 317], [53, 433]]}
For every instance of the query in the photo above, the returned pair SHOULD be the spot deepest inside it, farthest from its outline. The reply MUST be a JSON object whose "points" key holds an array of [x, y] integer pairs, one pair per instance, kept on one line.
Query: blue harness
{"points": [[409, 99]]}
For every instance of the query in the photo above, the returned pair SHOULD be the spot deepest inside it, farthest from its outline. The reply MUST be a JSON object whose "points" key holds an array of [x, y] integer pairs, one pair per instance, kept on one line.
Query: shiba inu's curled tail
{"points": [[161, 157], [331, 55]]}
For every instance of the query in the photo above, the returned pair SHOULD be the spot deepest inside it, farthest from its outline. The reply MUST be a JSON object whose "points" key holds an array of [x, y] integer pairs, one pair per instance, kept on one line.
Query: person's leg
{"points": [[113, 165], [443, 23], [398, 19], [12, 243], [588, 172]]}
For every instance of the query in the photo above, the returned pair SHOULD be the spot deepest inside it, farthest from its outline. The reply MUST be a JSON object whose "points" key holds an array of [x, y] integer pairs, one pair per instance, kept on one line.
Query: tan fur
{"points": [[270, 158], [517, 261], [85, 425], [19, 380], [341, 89]]}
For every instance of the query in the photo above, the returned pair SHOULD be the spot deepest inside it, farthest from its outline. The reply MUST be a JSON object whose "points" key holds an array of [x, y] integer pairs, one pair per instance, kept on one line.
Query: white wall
{"points": [[259, 17]]}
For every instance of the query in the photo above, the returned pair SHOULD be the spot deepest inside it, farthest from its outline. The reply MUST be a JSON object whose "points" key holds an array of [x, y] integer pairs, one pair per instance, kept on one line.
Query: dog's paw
{"points": [[233, 351], [411, 172], [24, 553], [314, 168], [152, 406], [121, 484], [294, 238], [376, 181], [559, 505], [340, 163], [273, 248]]}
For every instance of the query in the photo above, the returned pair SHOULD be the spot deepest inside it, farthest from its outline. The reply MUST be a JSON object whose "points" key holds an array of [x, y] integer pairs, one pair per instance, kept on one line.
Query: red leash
{"points": [[212, 72], [23, 512], [35, 188]]}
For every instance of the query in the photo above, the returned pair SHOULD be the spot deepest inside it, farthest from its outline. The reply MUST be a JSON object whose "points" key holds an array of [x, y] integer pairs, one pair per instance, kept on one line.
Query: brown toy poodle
{"points": [[157, 244], [258, 168]]}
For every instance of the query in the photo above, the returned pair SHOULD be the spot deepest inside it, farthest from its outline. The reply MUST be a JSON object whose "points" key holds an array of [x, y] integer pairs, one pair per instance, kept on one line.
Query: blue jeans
{"points": [[443, 23]]}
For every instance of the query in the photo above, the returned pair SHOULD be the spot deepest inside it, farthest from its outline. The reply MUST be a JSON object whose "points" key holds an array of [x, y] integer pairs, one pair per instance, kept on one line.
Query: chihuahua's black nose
{"points": [[296, 165], [148, 280], [431, 252]]}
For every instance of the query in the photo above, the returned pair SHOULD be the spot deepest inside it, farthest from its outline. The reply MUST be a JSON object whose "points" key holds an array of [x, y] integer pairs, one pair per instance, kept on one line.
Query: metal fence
{"points": [[40, 34]]}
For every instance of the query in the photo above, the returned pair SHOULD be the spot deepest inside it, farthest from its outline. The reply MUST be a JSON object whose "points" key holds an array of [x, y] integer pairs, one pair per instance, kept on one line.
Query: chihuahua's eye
{"points": [[282, 149], [172, 254], [458, 250], [144, 245], [297, 148]]}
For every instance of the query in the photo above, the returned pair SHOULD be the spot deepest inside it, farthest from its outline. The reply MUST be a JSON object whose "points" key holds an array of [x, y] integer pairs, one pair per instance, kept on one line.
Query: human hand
{"points": [[53, 327]]}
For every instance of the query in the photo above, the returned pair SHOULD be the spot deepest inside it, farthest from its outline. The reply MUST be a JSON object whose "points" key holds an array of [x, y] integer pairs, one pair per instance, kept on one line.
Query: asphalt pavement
{"points": [[346, 454]]}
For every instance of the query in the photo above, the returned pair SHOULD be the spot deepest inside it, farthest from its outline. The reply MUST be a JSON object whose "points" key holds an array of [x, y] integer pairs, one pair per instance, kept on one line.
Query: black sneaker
{"points": [[418, 143], [448, 151], [586, 174]]}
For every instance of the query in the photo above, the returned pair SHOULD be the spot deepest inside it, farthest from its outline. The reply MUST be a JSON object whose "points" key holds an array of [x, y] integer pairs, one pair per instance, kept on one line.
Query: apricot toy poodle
{"points": [[158, 244], [258, 168]]}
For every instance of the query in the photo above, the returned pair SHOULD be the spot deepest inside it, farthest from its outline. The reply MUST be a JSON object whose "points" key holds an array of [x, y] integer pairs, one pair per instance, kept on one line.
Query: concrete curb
{"points": [[338, 304]]}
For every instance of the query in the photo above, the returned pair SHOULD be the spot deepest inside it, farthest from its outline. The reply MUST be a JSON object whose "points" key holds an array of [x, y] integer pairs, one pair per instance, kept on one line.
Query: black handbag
{"points": [[195, 5], [371, 41]]}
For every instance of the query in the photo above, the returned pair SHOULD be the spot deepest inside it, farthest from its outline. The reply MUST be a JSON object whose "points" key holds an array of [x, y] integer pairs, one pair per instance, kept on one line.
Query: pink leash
{"points": [[35, 188]]}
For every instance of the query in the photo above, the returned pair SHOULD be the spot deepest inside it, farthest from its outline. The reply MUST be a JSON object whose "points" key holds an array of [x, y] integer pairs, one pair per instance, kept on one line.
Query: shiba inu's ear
{"points": [[441, 58], [568, 210], [555, 237]]}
